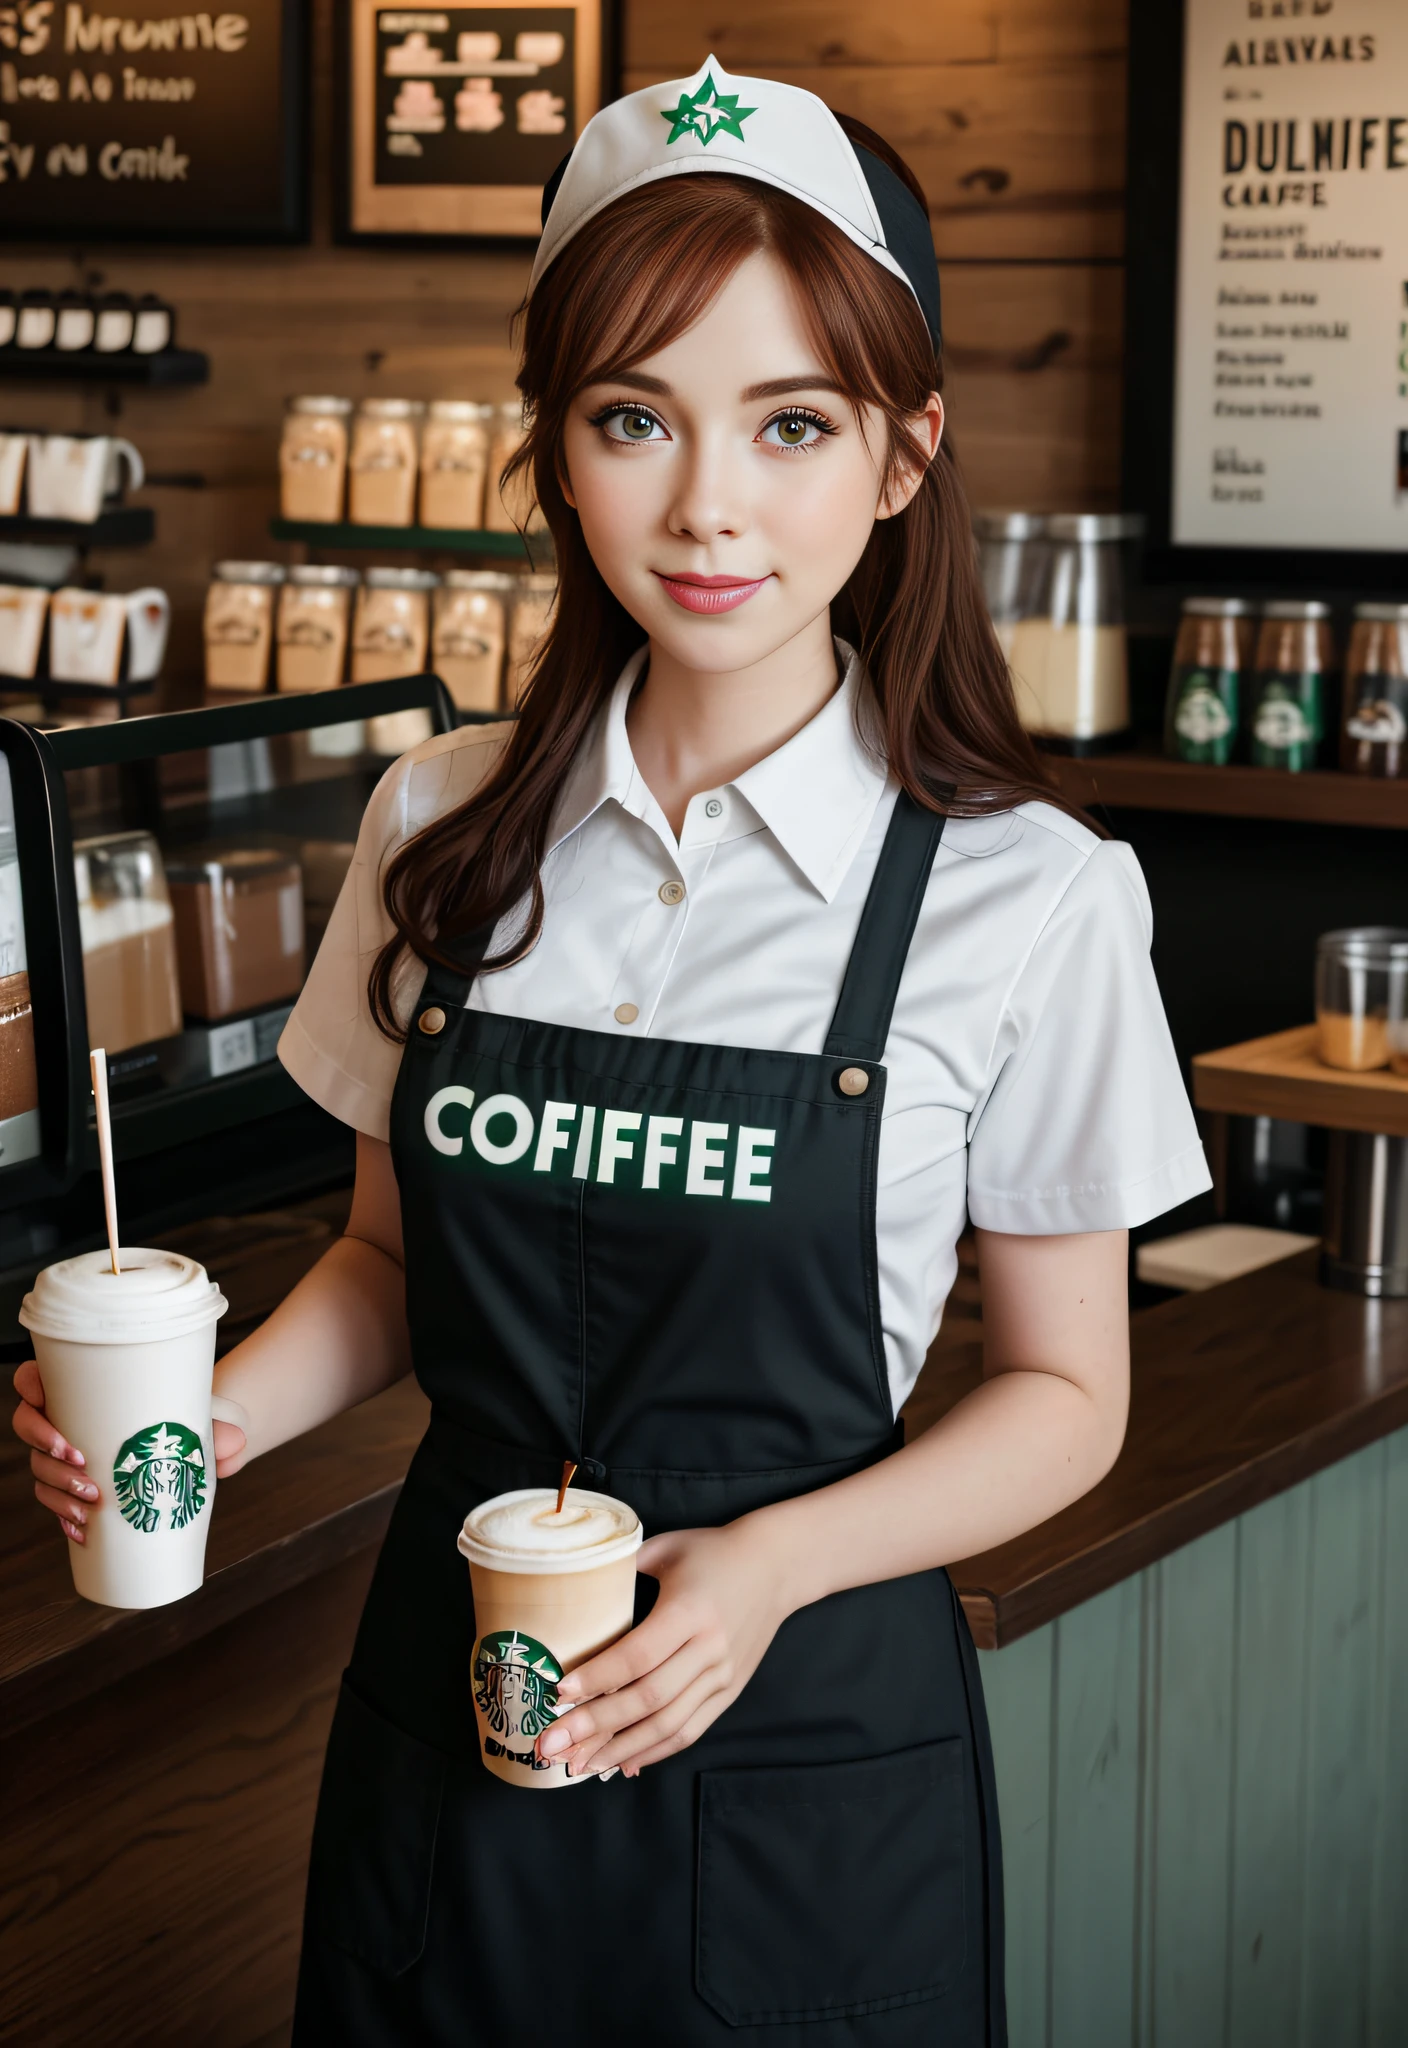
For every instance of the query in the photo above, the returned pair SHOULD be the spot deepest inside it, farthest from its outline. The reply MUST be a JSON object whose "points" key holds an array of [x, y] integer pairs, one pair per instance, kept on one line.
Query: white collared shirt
{"points": [[1032, 1083]]}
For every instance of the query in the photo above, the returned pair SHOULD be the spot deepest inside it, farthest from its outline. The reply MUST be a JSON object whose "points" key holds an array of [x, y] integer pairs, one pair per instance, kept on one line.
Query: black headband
{"points": [[908, 235]]}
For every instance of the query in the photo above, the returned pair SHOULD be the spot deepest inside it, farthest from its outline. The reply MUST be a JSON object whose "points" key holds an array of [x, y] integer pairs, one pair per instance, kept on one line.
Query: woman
{"points": [[697, 1008]]}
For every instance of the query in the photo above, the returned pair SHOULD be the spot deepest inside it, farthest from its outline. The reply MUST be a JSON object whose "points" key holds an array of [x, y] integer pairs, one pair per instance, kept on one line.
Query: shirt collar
{"points": [[816, 794]]}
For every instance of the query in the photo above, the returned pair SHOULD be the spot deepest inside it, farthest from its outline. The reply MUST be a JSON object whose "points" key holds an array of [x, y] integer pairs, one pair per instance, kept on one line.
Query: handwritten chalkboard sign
{"points": [[149, 125], [459, 115]]}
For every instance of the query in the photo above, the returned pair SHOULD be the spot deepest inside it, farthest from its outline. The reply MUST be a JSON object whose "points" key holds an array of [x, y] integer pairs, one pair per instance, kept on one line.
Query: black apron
{"points": [[671, 1278]]}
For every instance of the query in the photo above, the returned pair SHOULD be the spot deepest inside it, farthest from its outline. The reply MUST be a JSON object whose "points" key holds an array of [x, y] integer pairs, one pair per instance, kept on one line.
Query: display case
{"points": [[164, 884]]}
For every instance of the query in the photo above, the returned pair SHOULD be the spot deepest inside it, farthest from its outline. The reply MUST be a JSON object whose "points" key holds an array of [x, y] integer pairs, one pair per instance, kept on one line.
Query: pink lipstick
{"points": [[712, 593]]}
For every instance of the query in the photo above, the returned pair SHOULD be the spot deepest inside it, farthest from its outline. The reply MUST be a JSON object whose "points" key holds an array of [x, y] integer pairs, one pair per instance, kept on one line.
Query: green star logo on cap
{"points": [[707, 113]]}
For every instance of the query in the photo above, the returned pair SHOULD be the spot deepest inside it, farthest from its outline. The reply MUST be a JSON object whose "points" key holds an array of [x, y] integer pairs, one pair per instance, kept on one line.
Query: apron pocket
{"points": [[374, 1839], [831, 1889]]}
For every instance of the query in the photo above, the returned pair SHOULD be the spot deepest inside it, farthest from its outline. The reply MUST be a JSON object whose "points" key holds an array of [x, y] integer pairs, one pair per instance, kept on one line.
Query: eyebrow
{"points": [[776, 387]]}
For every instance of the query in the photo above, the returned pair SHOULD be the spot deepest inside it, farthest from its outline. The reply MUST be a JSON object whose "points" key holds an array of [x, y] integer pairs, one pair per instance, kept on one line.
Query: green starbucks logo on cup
{"points": [[515, 1685], [160, 1479]]}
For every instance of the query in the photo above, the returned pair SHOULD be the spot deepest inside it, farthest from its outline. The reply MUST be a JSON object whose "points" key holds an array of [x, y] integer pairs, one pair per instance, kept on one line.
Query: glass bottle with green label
{"points": [[1295, 657], [1210, 658], [1374, 736]]}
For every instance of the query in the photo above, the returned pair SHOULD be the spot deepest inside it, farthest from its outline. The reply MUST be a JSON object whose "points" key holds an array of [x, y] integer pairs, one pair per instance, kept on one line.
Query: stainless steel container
{"points": [[1366, 1214]]}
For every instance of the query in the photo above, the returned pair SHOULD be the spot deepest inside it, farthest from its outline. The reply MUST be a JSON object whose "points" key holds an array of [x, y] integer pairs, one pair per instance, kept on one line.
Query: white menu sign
{"points": [[1291, 377]]}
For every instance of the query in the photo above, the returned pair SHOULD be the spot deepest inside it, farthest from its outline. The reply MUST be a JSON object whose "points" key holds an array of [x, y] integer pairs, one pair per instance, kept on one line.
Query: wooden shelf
{"points": [[124, 526], [1281, 1076], [86, 366], [415, 539], [1148, 782]]}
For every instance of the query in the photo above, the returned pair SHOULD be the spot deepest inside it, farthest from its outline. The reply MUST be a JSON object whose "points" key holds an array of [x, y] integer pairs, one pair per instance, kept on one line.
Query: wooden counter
{"points": [[1238, 1393]]}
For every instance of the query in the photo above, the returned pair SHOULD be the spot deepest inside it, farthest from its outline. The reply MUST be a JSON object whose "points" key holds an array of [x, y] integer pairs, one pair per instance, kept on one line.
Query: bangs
{"points": [[648, 267]]}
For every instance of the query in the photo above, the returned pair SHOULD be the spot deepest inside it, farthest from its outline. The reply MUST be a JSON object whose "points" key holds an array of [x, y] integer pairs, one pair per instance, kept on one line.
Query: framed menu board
{"points": [[1267, 351], [456, 117], [151, 126]]}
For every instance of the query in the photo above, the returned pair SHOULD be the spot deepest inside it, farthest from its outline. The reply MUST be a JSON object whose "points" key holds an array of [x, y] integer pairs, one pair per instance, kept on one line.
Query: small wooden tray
{"points": [[1281, 1076]]}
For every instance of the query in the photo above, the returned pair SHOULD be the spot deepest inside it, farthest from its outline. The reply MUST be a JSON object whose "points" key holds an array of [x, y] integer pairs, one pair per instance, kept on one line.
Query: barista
{"points": [[705, 1003]]}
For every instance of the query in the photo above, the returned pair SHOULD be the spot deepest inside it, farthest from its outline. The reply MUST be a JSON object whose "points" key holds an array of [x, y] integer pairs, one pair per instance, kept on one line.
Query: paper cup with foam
{"points": [[550, 1590], [126, 1360]]}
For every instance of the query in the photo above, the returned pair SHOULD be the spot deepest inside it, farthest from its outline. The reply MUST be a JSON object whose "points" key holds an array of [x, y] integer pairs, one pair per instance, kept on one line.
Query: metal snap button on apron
{"points": [[671, 892], [853, 1080], [432, 1021], [625, 1013]]}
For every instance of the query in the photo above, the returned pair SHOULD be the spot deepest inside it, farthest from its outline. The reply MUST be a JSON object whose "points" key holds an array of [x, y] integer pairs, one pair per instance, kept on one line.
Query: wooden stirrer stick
{"points": [[98, 1064], [569, 1473]]}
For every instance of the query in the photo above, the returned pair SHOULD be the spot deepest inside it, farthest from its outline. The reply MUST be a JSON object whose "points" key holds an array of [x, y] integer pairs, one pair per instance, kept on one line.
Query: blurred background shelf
{"points": [[123, 526], [84, 366], [1149, 782], [429, 539], [1281, 1076]]}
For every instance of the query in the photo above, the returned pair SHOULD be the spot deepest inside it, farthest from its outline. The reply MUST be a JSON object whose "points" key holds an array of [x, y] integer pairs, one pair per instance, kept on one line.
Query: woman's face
{"points": [[726, 488]]}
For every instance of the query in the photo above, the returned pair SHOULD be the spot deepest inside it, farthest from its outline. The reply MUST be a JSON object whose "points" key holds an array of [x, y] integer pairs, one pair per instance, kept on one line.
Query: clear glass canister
{"points": [[128, 940], [454, 458], [384, 462], [470, 633], [1210, 659], [1295, 659], [1014, 560], [1374, 737], [1361, 996], [1084, 691], [239, 929], [534, 597], [314, 609], [391, 630], [239, 624], [313, 459]]}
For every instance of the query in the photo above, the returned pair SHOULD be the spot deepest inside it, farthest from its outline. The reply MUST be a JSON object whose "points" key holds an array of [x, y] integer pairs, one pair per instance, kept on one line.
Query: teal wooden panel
{"points": [[1388, 1972], [1341, 1803], [1017, 1684], [1189, 1851], [1268, 1796], [1095, 1864]]}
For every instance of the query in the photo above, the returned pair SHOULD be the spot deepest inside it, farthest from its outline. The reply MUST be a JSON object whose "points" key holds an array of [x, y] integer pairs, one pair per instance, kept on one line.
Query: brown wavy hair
{"points": [[629, 283]]}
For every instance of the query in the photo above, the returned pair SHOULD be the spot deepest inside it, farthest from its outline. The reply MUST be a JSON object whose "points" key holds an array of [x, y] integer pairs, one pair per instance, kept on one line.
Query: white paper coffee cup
{"points": [[549, 1592], [126, 1360]]}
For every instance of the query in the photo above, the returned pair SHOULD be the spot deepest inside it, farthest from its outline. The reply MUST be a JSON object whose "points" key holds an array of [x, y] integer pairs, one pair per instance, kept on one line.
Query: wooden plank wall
{"points": [[1203, 1780], [1011, 111]]}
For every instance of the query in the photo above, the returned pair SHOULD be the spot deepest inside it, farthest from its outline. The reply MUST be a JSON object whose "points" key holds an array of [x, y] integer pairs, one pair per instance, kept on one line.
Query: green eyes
{"points": [[788, 430]]}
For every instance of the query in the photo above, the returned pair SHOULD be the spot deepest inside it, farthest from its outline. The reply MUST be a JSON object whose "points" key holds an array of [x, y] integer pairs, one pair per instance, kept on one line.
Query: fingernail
{"points": [[74, 1457], [85, 1487], [79, 1516], [72, 1533], [555, 1740], [612, 1771], [568, 1688]]}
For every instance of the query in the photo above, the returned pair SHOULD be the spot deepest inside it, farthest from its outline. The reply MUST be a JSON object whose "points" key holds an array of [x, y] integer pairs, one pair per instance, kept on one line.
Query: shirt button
{"points": [[713, 809], [625, 1013], [853, 1080], [671, 892]]}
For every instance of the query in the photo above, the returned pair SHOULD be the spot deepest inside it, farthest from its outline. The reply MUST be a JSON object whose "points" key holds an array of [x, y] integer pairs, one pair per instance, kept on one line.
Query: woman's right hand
{"points": [[61, 1481]]}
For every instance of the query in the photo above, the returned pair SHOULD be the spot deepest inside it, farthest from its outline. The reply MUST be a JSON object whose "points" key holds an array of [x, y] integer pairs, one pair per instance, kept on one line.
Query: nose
{"points": [[708, 502]]}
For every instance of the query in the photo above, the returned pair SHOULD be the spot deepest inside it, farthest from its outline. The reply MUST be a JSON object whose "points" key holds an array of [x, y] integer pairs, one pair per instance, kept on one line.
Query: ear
{"points": [[927, 430], [564, 481]]}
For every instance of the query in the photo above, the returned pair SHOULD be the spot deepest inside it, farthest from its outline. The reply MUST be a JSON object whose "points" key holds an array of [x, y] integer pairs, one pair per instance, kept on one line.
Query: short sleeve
{"points": [[330, 1045], [1087, 1124]]}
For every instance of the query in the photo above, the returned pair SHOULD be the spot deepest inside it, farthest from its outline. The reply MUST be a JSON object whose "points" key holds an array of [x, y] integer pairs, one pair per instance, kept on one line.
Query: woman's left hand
{"points": [[657, 1689]]}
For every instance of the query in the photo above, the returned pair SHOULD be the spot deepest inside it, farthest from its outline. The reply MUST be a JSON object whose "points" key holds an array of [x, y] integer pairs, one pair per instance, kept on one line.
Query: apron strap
{"points": [[861, 1023], [451, 985]]}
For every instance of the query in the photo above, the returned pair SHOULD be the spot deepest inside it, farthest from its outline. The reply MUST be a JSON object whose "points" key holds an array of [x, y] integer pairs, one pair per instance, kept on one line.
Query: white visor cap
{"points": [[750, 127]]}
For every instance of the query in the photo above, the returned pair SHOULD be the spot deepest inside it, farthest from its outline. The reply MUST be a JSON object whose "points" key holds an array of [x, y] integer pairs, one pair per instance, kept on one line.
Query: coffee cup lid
{"points": [[157, 1294]]}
